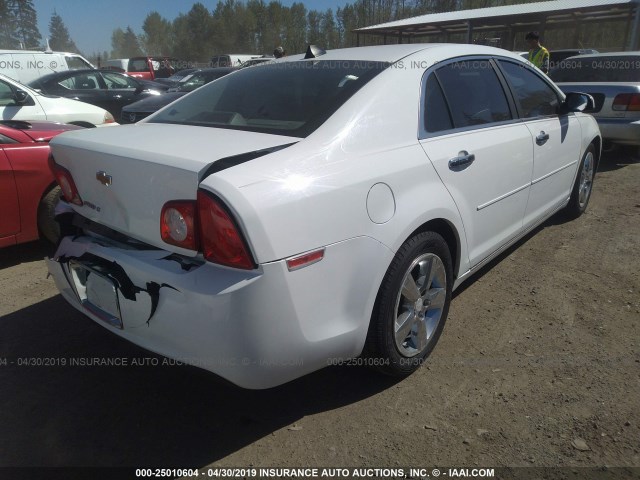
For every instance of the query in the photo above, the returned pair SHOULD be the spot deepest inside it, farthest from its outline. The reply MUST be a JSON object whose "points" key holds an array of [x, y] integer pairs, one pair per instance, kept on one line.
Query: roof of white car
{"points": [[396, 52], [36, 51]]}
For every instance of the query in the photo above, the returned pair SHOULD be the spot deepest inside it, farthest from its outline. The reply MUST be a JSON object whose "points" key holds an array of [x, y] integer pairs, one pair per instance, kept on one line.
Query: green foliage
{"points": [[255, 26], [157, 37], [125, 44], [8, 31], [59, 38], [23, 24], [192, 34]]}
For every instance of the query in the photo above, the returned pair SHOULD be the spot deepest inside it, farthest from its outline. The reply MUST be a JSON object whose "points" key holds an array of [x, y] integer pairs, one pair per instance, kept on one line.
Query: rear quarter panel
{"points": [[314, 193]]}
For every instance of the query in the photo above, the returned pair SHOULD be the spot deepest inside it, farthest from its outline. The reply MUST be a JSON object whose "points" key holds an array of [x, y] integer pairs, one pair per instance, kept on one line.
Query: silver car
{"points": [[613, 80]]}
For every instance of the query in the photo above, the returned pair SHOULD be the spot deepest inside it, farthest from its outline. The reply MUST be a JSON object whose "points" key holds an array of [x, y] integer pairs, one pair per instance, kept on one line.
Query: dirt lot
{"points": [[539, 365]]}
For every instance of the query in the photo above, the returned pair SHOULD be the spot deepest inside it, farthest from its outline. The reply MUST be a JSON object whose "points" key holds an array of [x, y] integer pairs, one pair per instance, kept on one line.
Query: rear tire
{"points": [[47, 224], [412, 305], [583, 185]]}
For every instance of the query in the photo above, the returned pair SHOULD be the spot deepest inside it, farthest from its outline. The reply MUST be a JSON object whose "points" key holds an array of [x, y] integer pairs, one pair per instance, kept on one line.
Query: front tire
{"points": [[412, 305], [583, 185]]}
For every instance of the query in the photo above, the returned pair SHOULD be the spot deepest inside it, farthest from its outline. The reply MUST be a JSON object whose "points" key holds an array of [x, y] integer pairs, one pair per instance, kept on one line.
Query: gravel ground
{"points": [[539, 365]]}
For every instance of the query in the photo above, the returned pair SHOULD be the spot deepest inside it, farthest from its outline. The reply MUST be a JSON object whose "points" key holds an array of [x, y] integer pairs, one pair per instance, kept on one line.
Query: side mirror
{"points": [[578, 102], [139, 89], [21, 97]]}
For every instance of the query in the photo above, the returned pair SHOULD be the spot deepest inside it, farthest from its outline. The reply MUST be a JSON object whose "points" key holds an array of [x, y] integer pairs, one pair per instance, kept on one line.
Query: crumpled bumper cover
{"points": [[257, 329]]}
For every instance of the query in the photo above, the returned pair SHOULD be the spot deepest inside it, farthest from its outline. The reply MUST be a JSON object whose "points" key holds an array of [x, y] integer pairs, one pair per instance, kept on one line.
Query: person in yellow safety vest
{"points": [[538, 55]]}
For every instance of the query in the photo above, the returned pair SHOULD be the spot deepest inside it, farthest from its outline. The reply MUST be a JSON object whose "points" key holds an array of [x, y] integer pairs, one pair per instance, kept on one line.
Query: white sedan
{"points": [[291, 215], [19, 102]]}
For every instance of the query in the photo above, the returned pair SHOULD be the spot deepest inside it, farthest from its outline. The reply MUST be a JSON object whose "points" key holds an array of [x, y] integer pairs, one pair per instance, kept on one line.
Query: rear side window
{"points": [[87, 81], [535, 96], [289, 98], [138, 65], [474, 93], [221, 61], [436, 112], [601, 68]]}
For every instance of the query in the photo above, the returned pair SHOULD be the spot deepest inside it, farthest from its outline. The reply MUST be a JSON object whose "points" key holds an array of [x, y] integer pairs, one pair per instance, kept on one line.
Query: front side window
{"points": [[535, 96], [474, 93], [290, 98], [7, 98], [115, 81]]}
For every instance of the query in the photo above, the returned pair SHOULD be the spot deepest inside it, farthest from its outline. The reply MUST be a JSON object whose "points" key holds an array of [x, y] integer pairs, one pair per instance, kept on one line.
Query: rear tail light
{"points": [[108, 118], [220, 238], [207, 225], [65, 180], [178, 224], [629, 102]]}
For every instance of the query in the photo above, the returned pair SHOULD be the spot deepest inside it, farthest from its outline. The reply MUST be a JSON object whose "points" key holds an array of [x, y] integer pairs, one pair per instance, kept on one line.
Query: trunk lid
{"points": [[126, 174]]}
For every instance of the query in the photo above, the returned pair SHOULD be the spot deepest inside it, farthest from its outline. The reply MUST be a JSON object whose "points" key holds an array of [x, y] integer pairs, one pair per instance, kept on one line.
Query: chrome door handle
{"points": [[464, 158], [542, 138], [117, 97]]}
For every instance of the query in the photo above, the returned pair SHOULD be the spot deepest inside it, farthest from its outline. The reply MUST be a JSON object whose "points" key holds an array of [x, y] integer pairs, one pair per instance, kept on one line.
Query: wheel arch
{"points": [[450, 235], [45, 192], [597, 142]]}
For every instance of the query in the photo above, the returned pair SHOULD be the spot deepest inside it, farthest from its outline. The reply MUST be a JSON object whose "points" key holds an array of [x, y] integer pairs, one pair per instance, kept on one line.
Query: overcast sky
{"points": [[91, 22]]}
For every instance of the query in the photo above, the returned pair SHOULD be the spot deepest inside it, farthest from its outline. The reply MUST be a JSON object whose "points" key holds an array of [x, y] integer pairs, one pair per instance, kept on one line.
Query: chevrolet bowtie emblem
{"points": [[103, 178]]}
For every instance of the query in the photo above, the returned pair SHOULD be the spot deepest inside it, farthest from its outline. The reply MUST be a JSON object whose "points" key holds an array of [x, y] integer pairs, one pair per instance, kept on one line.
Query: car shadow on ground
{"points": [[25, 253], [618, 158], [153, 416]]}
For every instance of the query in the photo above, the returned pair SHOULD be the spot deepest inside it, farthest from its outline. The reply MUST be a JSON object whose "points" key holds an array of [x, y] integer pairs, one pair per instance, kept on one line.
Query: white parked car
{"points": [[290, 215], [19, 102]]}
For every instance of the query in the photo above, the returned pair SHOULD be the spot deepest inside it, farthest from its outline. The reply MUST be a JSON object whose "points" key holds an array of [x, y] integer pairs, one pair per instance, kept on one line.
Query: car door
{"points": [[85, 86], [482, 153], [556, 139], [10, 217], [121, 91], [10, 109]]}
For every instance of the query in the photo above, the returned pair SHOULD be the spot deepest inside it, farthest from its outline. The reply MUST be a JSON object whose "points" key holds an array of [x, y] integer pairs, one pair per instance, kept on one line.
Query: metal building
{"points": [[513, 20]]}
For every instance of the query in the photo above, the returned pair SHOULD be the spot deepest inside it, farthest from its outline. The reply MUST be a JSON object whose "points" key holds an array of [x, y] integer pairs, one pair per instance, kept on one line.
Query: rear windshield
{"points": [[289, 98], [598, 69]]}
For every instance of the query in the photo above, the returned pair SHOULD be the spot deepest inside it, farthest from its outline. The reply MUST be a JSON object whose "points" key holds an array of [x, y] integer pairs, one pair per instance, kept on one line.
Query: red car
{"points": [[28, 192], [150, 68]]}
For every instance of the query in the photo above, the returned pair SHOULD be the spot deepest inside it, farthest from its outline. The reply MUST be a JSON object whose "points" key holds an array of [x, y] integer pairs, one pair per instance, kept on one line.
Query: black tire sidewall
{"points": [[574, 208], [425, 242], [47, 225]]}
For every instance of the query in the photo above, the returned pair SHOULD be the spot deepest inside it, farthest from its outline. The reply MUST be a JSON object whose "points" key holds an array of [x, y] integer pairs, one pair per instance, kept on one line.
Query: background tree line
{"points": [[255, 26], [19, 28]]}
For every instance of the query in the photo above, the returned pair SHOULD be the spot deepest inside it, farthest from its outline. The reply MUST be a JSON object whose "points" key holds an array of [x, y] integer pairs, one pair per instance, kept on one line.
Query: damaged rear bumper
{"points": [[257, 329]]}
